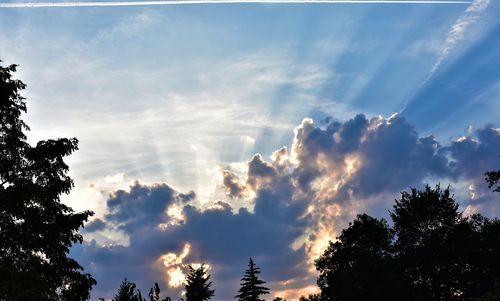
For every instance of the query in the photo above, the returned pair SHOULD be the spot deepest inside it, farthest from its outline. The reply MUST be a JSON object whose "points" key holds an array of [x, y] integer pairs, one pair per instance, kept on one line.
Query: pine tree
{"points": [[198, 285], [251, 285], [36, 229]]}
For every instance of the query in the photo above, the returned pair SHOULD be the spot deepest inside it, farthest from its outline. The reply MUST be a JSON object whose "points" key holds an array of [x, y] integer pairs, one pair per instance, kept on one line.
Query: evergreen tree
{"points": [[128, 292], [198, 284], [251, 286], [36, 229]]}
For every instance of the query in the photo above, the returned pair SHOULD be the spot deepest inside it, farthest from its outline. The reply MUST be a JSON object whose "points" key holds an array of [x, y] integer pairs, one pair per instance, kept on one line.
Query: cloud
{"points": [[281, 211], [366, 156], [218, 236], [457, 31], [475, 154], [232, 185], [95, 225]]}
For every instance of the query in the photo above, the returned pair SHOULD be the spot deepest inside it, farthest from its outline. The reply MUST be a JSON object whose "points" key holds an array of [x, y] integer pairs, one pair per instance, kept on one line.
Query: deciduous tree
{"points": [[128, 292], [36, 229]]}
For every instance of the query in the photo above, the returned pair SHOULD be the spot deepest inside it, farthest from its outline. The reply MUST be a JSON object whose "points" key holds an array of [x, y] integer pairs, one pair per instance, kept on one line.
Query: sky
{"points": [[211, 133]]}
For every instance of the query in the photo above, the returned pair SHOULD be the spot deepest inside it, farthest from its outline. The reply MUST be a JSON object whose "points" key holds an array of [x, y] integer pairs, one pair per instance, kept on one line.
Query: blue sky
{"points": [[181, 98]]}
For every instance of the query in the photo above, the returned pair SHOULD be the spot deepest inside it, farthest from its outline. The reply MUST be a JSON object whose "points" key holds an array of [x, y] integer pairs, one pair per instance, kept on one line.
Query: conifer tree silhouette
{"points": [[198, 284], [251, 286]]}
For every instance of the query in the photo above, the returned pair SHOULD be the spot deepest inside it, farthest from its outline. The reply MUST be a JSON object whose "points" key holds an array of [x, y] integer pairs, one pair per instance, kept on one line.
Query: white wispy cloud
{"points": [[457, 31], [184, 2]]}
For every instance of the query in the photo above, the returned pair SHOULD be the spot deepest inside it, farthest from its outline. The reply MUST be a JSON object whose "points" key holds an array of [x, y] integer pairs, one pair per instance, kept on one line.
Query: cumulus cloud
{"points": [[292, 205], [232, 184], [95, 225]]}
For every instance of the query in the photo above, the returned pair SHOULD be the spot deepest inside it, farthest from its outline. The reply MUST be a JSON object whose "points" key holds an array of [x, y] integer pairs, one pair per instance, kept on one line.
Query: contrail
{"points": [[457, 31], [192, 2]]}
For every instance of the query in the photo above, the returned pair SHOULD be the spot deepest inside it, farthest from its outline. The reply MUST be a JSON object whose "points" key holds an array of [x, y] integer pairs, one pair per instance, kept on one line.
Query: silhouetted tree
{"points": [[313, 297], [128, 292], [493, 180], [154, 293], [423, 223], [444, 256], [36, 229], [198, 284], [251, 286], [359, 265], [431, 253]]}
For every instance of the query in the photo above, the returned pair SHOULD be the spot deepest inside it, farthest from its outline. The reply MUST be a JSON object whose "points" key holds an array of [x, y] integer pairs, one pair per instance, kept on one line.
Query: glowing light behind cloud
{"points": [[176, 266], [295, 294]]}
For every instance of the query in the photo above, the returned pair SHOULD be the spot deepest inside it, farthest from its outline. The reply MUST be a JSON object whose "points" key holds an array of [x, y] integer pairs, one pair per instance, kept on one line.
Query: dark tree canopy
{"points": [[251, 286], [198, 284], [314, 297], [154, 293], [128, 292], [431, 253], [493, 180], [36, 229], [359, 266]]}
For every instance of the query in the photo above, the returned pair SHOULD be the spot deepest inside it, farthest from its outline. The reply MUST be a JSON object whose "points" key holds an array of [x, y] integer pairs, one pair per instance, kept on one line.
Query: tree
{"points": [[154, 293], [128, 292], [431, 253], [36, 229], [251, 286], [359, 265], [198, 284], [313, 297], [493, 179], [423, 223]]}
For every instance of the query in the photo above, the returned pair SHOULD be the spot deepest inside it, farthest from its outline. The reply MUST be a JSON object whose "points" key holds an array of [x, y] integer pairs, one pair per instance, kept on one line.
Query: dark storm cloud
{"points": [[231, 182], [141, 207], [391, 153], [394, 157], [362, 158], [95, 225], [217, 235], [474, 155], [259, 170]]}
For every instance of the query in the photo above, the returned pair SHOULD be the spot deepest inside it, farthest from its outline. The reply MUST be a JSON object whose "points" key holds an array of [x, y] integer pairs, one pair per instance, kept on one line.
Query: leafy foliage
{"points": [[251, 286], [36, 229], [431, 253], [128, 292], [493, 180], [154, 293], [314, 297], [198, 284], [359, 266]]}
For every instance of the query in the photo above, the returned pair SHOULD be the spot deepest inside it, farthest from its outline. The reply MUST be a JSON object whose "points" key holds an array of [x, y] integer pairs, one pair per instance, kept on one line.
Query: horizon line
{"points": [[193, 2]]}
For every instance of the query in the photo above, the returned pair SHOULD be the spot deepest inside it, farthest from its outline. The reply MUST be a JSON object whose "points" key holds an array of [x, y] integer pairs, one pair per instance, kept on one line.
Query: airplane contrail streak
{"points": [[192, 2]]}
